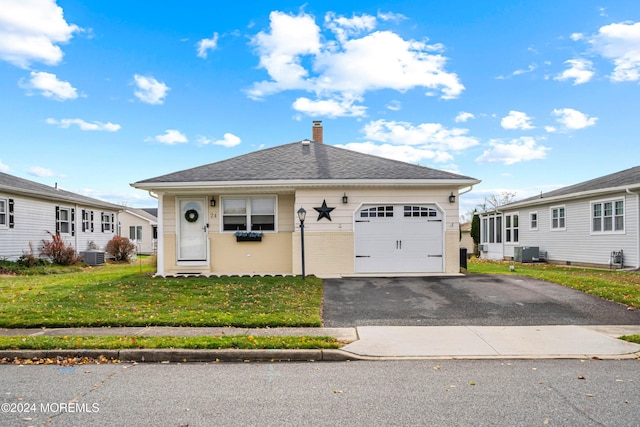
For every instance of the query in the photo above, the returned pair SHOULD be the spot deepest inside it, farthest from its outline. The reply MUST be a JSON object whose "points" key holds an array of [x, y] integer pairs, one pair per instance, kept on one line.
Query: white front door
{"points": [[192, 230], [404, 238]]}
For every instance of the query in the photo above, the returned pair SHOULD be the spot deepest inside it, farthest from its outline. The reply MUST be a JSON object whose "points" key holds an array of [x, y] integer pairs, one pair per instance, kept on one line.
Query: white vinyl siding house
{"points": [[34, 210], [141, 227], [581, 224]]}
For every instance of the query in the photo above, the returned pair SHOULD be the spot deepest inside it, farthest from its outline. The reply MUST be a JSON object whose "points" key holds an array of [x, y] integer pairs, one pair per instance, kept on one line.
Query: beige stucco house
{"points": [[365, 215]]}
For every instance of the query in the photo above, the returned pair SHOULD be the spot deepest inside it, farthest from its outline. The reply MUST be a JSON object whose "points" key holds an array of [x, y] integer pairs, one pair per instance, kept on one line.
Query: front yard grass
{"points": [[613, 285], [128, 295]]}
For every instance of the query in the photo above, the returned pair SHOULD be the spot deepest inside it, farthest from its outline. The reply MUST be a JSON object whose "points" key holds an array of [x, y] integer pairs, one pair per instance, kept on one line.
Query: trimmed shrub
{"points": [[120, 248]]}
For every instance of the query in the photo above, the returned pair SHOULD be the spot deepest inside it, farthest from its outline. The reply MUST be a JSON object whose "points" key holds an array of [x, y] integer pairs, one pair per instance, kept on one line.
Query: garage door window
{"points": [[377, 211], [419, 211]]}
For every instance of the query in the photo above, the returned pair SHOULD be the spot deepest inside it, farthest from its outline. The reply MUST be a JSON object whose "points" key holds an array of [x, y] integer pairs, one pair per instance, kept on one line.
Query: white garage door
{"points": [[399, 239]]}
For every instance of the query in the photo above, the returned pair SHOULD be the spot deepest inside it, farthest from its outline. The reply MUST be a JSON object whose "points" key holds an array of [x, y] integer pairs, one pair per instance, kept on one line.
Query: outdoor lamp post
{"points": [[301, 216]]}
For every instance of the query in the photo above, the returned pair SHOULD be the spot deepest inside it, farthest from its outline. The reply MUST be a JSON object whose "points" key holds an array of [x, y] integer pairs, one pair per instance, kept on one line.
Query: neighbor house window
{"points": [[64, 220], [558, 218], [107, 222], [250, 213], [3, 212], [607, 217], [492, 229], [135, 233], [533, 221], [485, 230], [87, 221], [511, 228]]}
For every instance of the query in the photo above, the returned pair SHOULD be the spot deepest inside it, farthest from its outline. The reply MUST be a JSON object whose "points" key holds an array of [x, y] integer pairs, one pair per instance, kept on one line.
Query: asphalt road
{"points": [[408, 393], [479, 300]]}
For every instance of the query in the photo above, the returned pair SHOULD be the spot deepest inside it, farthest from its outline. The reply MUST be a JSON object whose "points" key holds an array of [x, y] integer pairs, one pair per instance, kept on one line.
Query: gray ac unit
{"points": [[93, 257], [483, 248], [526, 253]]}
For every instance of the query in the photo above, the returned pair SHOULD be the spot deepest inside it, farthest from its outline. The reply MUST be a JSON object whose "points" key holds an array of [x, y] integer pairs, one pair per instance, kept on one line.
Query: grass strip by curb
{"points": [[631, 338], [246, 342]]}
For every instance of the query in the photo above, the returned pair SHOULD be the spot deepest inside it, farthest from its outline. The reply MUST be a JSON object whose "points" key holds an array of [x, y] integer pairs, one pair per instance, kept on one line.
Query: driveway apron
{"points": [[480, 300]]}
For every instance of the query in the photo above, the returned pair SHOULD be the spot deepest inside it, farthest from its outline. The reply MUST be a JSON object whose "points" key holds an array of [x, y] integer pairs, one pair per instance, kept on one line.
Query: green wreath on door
{"points": [[191, 215]]}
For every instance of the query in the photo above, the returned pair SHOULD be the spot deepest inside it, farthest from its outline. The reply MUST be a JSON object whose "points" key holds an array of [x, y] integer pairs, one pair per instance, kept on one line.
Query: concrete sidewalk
{"points": [[370, 343]]}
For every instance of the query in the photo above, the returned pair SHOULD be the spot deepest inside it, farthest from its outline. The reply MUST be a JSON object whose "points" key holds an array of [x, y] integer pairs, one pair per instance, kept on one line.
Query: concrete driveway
{"points": [[480, 300]]}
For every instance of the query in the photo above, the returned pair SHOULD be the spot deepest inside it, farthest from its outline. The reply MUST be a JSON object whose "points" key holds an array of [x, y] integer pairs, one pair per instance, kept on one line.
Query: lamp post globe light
{"points": [[302, 214]]}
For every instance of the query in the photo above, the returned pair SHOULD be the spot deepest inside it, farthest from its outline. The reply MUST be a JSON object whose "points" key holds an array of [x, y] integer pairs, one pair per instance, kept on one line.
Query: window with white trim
{"points": [[3, 213], [533, 221], [135, 233], [63, 220], [107, 222], [87, 221], [492, 229], [607, 216], [558, 218], [511, 228], [249, 213]]}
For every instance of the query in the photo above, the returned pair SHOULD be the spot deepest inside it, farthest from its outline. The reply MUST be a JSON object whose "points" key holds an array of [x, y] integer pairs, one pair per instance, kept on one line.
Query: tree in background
{"points": [[475, 232]]}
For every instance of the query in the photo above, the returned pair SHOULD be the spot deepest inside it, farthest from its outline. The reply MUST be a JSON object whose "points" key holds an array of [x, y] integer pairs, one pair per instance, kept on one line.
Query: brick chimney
{"points": [[316, 131]]}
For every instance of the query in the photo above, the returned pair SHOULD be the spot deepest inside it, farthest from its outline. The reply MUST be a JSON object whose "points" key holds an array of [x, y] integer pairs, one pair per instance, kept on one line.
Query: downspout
{"points": [[637, 226], [465, 192], [160, 252]]}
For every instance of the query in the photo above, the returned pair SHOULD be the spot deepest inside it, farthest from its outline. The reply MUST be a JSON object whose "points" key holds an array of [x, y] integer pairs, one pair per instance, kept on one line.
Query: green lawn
{"points": [[137, 342], [613, 285], [128, 295]]}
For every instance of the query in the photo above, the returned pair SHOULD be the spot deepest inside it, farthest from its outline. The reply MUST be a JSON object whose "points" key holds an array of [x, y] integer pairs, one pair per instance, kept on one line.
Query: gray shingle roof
{"points": [[629, 177], [14, 185], [298, 161]]}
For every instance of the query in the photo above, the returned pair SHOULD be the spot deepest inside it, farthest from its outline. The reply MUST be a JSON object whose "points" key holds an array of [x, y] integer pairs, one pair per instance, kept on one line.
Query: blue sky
{"points": [[525, 96]]}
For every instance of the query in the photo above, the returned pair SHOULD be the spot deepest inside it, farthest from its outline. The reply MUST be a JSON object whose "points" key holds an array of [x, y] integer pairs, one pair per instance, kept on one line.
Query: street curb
{"points": [[189, 355]]}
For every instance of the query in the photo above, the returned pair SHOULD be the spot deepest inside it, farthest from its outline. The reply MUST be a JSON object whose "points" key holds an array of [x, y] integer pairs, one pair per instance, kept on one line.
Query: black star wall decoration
{"points": [[324, 211]]}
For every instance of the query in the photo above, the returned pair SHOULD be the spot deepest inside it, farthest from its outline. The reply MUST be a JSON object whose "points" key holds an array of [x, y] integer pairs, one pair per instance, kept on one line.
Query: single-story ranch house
{"points": [[29, 210], [364, 214], [141, 226], [595, 223]]}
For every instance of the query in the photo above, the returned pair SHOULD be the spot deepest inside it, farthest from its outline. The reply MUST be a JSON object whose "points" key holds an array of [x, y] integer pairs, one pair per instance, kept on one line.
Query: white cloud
{"points": [[621, 44], [518, 150], [329, 107], [581, 70], [394, 105], [43, 172], [344, 28], [432, 136], [205, 45], [463, 116], [516, 120], [576, 36], [529, 69], [49, 86], [403, 153], [170, 137], [3, 167], [150, 90], [83, 125], [30, 31], [298, 55], [229, 140], [573, 119]]}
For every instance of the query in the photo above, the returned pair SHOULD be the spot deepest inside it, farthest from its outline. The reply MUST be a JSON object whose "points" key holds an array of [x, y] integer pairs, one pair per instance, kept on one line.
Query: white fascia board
{"points": [[172, 186]]}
